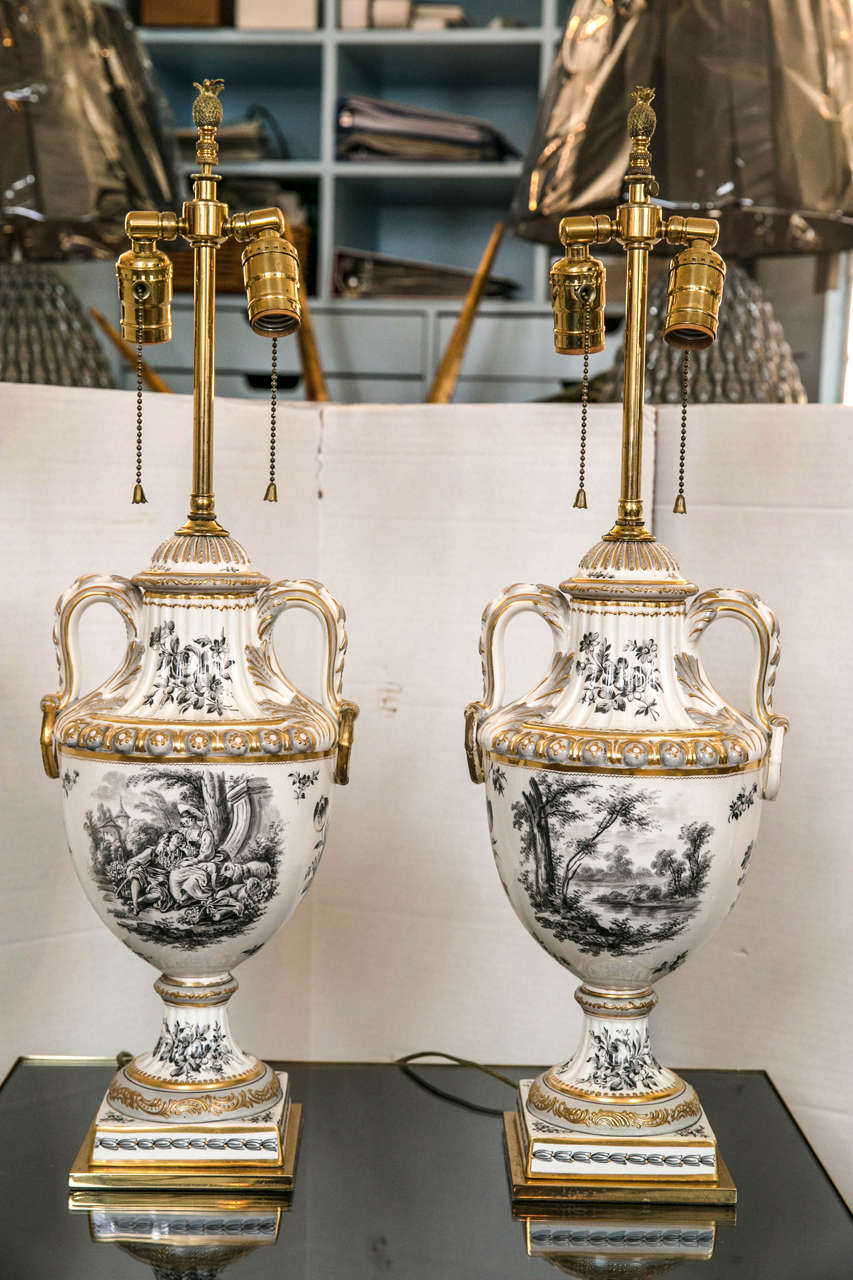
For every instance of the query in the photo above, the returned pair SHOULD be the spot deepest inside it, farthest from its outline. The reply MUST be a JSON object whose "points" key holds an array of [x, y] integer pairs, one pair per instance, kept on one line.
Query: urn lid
{"points": [[201, 562], [626, 568]]}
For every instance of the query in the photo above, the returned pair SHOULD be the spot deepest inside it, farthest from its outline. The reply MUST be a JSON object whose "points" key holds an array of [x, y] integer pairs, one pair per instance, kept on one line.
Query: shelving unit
{"points": [[437, 212]]}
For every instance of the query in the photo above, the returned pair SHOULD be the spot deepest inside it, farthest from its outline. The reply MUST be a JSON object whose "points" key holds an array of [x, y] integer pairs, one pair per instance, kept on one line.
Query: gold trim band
{"points": [[661, 1116], [573, 1091], [250, 757], [193, 1105], [159, 1082], [651, 771]]}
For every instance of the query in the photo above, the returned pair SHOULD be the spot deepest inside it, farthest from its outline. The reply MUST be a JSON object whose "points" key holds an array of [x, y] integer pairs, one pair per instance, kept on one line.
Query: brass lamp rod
{"points": [[638, 226], [205, 224]]}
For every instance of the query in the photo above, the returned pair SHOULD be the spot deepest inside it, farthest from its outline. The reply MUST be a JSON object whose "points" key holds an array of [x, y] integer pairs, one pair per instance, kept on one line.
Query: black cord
{"points": [[404, 1065]]}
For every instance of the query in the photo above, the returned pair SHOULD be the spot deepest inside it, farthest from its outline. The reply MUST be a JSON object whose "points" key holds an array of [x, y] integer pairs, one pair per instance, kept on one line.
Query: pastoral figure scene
{"points": [[599, 868], [185, 857]]}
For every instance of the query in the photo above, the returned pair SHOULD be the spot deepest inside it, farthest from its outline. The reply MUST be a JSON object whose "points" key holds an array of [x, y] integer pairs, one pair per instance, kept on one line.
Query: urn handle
{"points": [[94, 588], [749, 609], [312, 596], [523, 597]]}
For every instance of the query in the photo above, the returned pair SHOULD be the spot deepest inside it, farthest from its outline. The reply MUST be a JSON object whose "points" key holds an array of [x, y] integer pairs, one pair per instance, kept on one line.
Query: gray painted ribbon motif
{"points": [[184, 1144], [195, 1226], [619, 1157], [623, 1236]]}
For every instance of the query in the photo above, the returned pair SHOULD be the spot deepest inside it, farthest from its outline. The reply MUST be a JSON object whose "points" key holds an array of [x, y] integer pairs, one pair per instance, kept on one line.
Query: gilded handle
{"points": [[550, 605], [126, 599], [747, 608], [313, 597]]}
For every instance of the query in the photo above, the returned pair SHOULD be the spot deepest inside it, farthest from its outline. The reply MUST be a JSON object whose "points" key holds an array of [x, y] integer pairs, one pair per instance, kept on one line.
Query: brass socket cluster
{"points": [[694, 294], [144, 275], [577, 282], [271, 277]]}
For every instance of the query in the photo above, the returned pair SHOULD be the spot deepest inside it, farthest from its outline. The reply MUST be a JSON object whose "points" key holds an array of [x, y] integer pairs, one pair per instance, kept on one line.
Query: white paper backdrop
{"points": [[415, 517]]}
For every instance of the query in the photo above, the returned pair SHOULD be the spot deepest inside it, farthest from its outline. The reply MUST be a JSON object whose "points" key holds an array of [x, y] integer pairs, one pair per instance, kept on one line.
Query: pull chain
{"points": [[138, 491], [580, 496], [271, 494], [680, 507]]}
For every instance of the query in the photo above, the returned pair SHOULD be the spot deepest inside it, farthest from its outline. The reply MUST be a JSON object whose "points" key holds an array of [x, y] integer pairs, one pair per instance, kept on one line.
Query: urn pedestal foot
{"points": [[197, 1111], [613, 1117]]}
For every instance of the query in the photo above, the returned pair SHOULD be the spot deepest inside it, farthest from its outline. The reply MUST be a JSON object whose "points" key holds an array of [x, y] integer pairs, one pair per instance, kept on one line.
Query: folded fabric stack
{"points": [[359, 273], [372, 129]]}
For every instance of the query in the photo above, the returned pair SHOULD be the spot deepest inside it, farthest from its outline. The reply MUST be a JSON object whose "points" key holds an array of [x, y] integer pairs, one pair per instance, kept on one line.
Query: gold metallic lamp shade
{"points": [[577, 283], [271, 276], [696, 278], [144, 276]]}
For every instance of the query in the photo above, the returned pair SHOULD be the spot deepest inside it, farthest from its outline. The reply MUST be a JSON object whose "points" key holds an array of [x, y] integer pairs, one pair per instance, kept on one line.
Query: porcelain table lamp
{"points": [[623, 792], [197, 779]]}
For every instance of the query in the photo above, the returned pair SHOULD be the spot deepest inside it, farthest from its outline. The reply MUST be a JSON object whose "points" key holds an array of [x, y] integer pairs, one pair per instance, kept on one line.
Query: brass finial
{"points": [[138, 494], [207, 109], [641, 118], [271, 494], [580, 500], [641, 125], [207, 117]]}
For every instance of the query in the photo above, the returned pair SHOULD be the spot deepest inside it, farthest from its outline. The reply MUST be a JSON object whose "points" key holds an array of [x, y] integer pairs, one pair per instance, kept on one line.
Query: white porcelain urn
{"points": [[197, 787], [624, 795]]}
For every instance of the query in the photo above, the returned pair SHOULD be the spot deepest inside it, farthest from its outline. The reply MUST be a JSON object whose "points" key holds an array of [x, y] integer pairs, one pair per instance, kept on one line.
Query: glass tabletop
{"points": [[394, 1181]]}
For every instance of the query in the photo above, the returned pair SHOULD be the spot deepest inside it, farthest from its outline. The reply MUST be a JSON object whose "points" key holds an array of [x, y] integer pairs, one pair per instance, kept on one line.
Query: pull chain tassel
{"points": [[580, 496], [271, 494], [138, 491], [680, 507]]}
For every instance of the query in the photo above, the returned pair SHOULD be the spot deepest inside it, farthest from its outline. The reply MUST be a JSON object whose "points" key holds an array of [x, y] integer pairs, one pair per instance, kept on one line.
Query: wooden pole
{"points": [[151, 379], [447, 373], [309, 352]]}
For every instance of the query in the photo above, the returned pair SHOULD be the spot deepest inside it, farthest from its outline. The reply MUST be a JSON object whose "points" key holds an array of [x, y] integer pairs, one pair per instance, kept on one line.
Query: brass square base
{"points": [[525, 1189], [175, 1177]]}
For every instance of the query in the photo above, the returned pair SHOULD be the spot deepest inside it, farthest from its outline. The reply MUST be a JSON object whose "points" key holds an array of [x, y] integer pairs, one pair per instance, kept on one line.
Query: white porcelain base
{"points": [[119, 1140], [555, 1153]]}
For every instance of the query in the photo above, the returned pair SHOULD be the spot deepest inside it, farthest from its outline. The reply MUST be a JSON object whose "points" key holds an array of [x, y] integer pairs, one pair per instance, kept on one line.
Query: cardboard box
{"points": [[277, 15], [181, 13]]}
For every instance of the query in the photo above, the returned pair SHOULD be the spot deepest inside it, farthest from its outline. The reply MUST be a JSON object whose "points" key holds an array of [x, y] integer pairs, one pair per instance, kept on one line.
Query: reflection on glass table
{"points": [[394, 1181], [183, 1235]]}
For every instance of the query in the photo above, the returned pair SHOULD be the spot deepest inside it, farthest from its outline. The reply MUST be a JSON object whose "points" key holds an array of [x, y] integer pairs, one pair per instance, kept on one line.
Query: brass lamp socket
{"points": [[577, 281], [271, 276], [693, 297], [144, 277]]}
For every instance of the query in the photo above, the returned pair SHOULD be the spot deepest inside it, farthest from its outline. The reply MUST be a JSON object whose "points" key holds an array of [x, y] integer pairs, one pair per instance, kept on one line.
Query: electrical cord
{"points": [[404, 1064]]}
